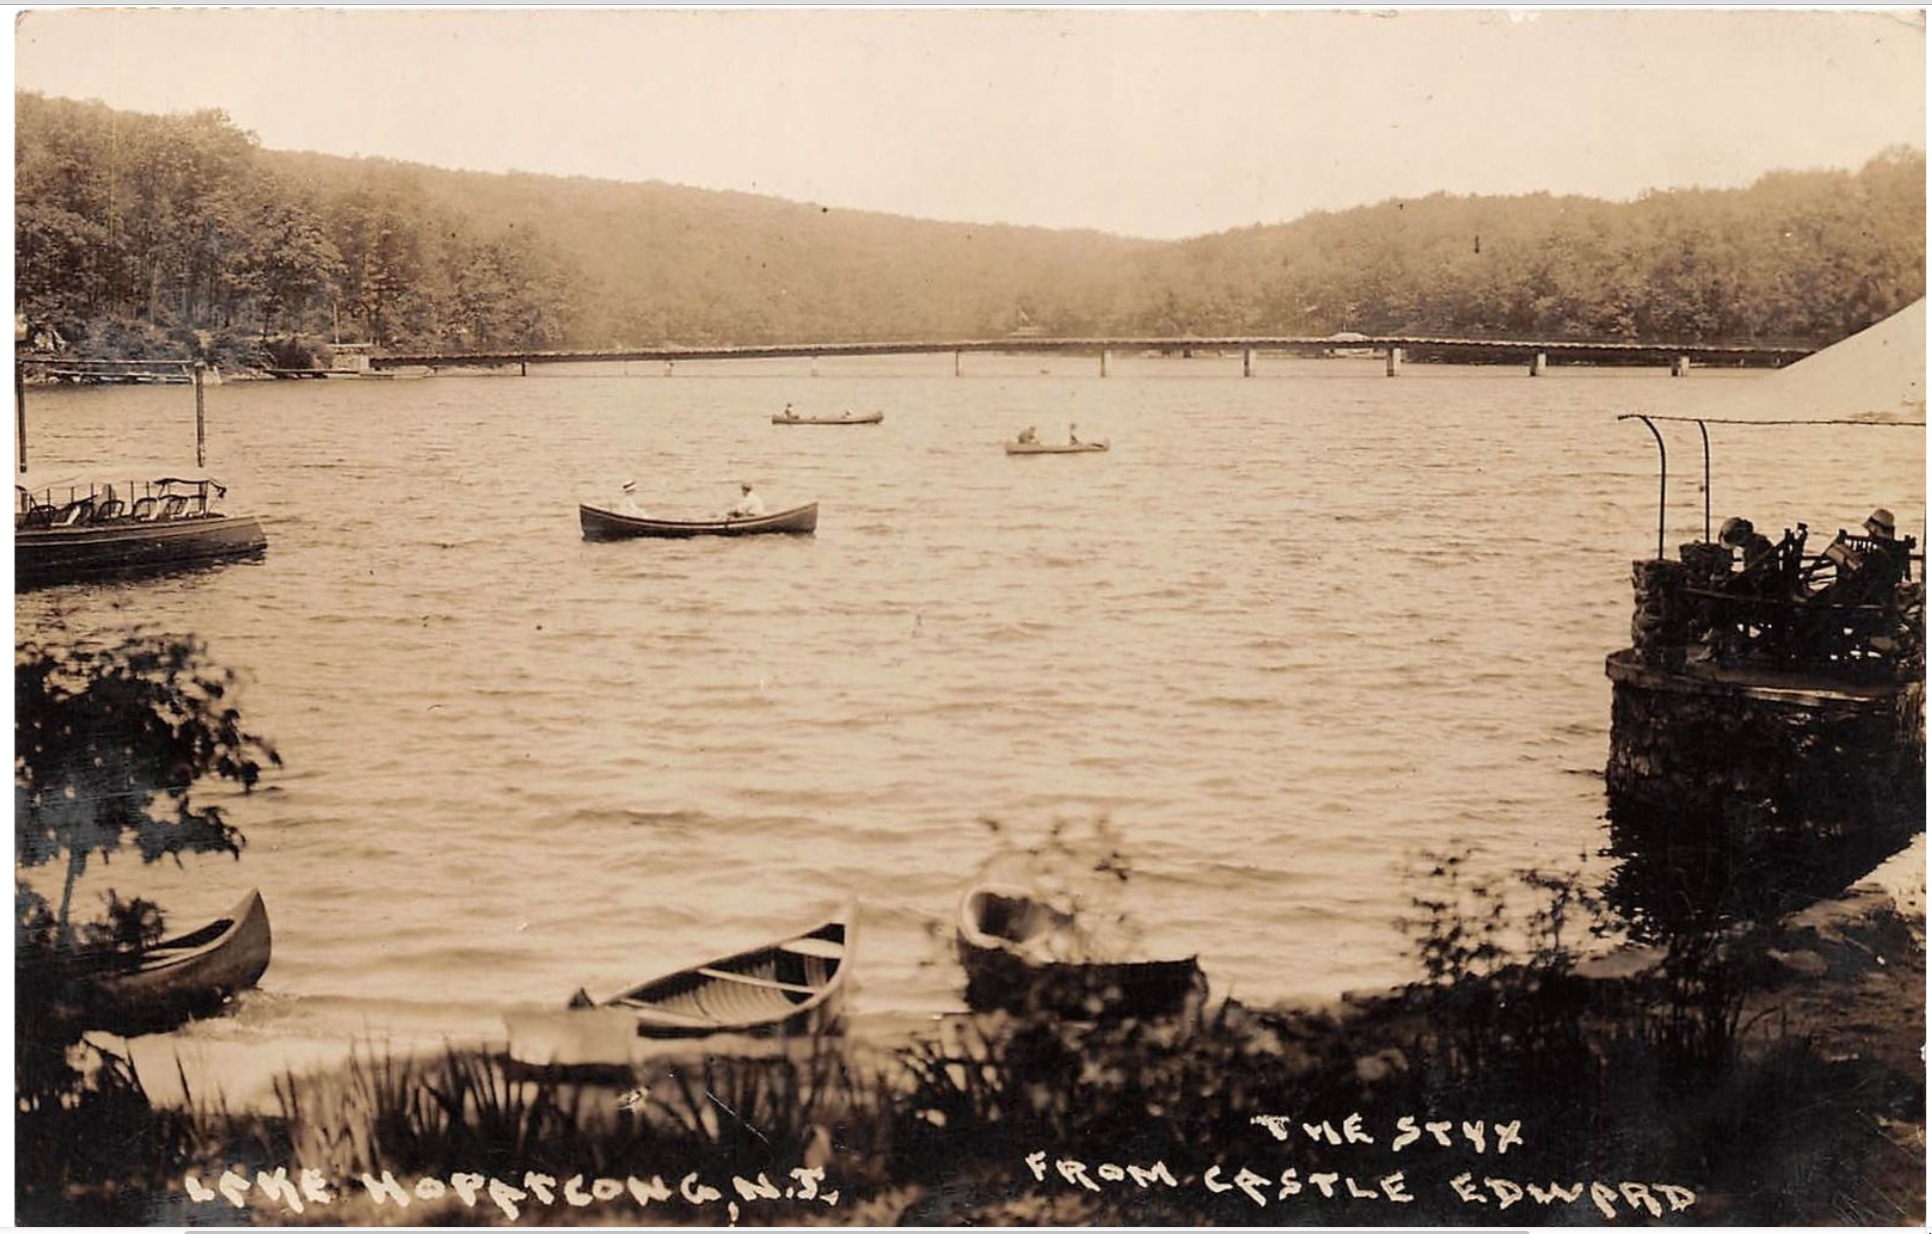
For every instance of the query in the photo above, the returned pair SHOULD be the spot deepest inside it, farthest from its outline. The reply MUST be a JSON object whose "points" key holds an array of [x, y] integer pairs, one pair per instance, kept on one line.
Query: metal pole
{"points": [[201, 435], [1706, 435], [1663, 472], [20, 412]]}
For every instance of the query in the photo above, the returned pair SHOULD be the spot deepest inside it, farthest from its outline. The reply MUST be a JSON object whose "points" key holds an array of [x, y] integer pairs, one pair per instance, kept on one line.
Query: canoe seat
{"points": [[145, 509], [719, 974], [109, 510], [75, 513], [822, 948]]}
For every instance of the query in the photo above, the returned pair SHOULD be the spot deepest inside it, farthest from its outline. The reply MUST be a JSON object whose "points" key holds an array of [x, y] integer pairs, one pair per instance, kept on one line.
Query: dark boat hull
{"points": [[789, 987], [875, 418], [1001, 975], [48, 555], [184, 977], [608, 525]]}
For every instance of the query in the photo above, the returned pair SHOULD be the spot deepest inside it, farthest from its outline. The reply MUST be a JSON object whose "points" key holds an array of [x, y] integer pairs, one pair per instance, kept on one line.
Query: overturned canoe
{"points": [[877, 417], [1005, 936], [609, 525], [1035, 447], [179, 978], [795, 985]]}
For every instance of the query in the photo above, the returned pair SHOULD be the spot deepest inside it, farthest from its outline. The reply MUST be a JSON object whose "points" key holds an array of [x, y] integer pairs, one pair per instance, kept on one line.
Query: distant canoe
{"points": [[179, 978], [1003, 932], [877, 417], [609, 525], [796, 985], [1034, 447]]}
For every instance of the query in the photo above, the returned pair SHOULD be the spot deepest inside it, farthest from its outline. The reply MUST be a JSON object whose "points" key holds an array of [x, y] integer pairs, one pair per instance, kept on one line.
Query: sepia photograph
{"points": [[1357, 658]]}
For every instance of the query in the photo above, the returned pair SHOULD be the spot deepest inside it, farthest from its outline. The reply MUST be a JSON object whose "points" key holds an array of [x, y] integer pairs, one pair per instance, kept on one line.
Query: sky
{"points": [[1156, 123]]}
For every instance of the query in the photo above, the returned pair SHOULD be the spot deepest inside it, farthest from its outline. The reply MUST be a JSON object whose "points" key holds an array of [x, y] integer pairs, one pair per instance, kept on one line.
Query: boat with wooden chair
{"points": [[1022, 954]]}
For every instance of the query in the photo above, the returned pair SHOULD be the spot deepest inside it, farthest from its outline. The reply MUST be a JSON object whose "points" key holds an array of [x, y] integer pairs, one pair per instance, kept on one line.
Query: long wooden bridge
{"points": [[1536, 353]]}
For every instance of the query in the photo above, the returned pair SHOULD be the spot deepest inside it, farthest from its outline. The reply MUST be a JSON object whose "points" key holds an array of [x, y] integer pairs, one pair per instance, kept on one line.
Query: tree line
{"points": [[183, 223]]}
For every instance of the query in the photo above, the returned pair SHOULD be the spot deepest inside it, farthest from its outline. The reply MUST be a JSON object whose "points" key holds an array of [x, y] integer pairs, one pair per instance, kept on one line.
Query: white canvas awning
{"points": [[1876, 375]]}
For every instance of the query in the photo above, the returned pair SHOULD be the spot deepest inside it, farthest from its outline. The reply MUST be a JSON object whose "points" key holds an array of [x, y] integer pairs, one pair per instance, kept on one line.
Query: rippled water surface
{"points": [[1293, 630]]}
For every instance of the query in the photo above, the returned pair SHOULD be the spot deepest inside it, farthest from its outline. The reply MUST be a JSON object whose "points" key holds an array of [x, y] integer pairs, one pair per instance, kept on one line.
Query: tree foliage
{"points": [[183, 221], [108, 744]]}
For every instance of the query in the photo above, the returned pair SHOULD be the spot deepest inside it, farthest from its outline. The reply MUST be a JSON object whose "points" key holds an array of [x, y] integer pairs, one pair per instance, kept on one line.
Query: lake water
{"points": [[1292, 631]]}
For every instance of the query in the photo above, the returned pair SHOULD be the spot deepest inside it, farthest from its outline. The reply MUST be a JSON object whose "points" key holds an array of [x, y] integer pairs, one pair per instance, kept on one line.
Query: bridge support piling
{"points": [[1247, 361], [1680, 366], [523, 368], [956, 364], [1538, 363], [814, 366], [201, 436], [1395, 361], [1103, 363]]}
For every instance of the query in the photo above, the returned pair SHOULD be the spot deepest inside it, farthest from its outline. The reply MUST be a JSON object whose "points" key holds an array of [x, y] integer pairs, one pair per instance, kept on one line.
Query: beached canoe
{"points": [[877, 417], [609, 525], [1006, 937], [1037, 447], [179, 978], [795, 985]]}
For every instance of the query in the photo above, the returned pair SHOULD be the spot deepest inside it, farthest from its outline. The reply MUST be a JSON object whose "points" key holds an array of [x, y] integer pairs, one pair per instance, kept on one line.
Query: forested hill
{"points": [[171, 224]]}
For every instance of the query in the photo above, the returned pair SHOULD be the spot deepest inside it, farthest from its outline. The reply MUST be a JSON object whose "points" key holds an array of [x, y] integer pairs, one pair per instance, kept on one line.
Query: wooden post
{"points": [[1538, 363], [1395, 361], [814, 366], [1247, 361], [20, 411], [955, 364], [201, 435], [523, 368], [1103, 362]]}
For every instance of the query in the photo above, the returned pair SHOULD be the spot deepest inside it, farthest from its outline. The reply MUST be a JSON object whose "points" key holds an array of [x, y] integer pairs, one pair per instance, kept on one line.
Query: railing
{"points": [[1853, 612]]}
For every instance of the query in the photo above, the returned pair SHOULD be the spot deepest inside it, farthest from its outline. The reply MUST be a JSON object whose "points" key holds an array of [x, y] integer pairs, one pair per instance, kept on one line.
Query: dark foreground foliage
{"points": [[1710, 1071]]}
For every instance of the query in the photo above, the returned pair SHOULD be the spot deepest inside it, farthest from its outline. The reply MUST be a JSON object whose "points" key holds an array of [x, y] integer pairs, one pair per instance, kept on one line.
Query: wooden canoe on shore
{"points": [[877, 417], [1036, 447], [795, 985], [180, 978], [609, 525], [1004, 938]]}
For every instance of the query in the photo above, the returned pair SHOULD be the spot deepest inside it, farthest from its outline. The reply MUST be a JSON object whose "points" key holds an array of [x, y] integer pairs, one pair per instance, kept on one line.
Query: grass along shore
{"points": [[1770, 1077]]}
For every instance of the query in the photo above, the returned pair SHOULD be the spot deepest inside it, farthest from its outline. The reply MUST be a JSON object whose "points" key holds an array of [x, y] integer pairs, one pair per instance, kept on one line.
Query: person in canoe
{"points": [[1029, 436], [1073, 434], [750, 505], [788, 413], [846, 414], [627, 501]]}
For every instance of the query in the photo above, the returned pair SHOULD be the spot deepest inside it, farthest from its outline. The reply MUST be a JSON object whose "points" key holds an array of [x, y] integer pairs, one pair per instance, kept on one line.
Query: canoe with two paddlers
{"points": [[877, 417], [1021, 954], [794, 985], [599, 524], [1038, 447]]}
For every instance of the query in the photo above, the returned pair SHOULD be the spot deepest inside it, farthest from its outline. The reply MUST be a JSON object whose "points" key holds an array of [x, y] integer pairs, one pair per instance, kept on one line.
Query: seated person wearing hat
{"points": [[1878, 559], [627, 501], [1738, 533], [750, 505]]}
